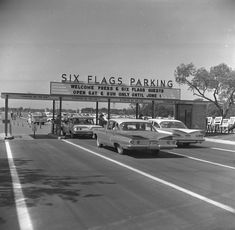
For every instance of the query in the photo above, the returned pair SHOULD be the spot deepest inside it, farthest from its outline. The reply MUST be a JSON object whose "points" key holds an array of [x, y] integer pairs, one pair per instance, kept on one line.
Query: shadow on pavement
{"points": [[40, 185], [43, 136], [151, 155]]}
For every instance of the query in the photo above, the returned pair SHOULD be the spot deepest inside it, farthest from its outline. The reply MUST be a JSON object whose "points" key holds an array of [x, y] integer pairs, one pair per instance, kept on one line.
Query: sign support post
{"points": [[137, 110], [53, 117], [108, 108], [60, 111], [96, 113], [6, 116], [153, 109]]}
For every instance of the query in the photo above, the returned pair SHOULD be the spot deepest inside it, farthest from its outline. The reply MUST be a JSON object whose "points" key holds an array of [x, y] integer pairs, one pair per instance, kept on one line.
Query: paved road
{"points": [[71, 184]]}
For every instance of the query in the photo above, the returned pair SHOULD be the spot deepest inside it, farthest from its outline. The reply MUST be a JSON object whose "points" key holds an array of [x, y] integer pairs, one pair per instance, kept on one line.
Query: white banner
{"points": [[113, 91]]}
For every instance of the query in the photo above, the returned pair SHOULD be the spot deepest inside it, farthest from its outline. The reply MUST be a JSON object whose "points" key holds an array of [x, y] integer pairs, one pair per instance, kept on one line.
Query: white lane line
{"points": [[226, 150], [227, 142], [169, 184], [21, 208], [201, 160]]}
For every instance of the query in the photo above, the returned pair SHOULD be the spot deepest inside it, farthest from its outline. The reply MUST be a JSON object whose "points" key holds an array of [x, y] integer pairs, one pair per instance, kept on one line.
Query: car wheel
{"points": [[99, 145], [120, 149]]}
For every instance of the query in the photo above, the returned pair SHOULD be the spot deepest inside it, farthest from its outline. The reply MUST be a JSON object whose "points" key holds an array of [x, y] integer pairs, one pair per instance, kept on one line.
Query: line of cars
{"points": [[134, 134]]}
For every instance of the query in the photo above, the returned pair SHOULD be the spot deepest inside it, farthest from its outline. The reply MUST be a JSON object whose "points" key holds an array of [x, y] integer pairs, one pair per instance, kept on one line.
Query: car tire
{"points": [[120, 149], [99, 145]]}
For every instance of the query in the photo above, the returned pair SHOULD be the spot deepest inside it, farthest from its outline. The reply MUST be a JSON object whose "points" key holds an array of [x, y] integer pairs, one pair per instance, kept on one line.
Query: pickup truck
{"points": [[133, 134]]}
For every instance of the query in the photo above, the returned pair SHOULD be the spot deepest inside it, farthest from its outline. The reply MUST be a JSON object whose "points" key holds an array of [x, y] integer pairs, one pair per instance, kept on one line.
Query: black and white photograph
{"points": [[117, 114]]}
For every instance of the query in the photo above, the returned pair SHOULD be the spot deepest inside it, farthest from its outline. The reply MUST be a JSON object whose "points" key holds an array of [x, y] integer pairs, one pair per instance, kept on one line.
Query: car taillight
{"points": [[131, 142], [134, 142]]}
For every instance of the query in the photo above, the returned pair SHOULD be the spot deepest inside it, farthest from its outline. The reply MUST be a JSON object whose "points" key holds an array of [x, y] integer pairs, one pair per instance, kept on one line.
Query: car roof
{"points": [[121, 120], [160, 119]]}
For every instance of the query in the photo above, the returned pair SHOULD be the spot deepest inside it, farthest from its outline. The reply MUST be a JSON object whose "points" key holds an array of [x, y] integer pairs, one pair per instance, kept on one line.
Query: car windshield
{"points": [[83, 121], [136, 126], [173, 124]]}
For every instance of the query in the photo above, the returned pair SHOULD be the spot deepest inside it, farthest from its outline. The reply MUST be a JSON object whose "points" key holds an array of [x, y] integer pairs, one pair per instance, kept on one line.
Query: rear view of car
{"points": [[79, 127], [131, 134], [182, 134]]}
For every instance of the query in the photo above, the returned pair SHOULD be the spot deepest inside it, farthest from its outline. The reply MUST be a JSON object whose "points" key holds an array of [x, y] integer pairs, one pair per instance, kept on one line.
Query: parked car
{"points": [[133, 134], [79, 126], [182, 134]]}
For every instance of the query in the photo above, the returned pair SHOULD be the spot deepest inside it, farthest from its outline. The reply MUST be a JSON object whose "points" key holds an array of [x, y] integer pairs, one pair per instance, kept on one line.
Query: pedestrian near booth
{"points": [[30, 119], [102, 121]]}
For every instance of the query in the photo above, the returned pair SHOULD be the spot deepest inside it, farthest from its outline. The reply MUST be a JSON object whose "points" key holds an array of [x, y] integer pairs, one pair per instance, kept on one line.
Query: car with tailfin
{"points": [[133, 134], [183, 135]]}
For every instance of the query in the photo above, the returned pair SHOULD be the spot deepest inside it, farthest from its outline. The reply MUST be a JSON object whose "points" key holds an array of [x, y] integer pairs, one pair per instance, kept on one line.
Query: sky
{"points": [[41, 40]]}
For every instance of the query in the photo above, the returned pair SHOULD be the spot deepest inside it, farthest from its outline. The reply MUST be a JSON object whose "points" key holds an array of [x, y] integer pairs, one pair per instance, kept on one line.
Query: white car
{"points": [[182, 134], [133, 134], [79, 126]]}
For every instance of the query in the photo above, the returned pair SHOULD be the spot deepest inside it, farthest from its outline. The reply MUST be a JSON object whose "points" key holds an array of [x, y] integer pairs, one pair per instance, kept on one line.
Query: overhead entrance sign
{"points": [[118, 92]]}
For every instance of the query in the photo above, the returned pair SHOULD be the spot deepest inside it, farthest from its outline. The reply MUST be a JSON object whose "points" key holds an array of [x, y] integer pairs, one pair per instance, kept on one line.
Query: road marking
{"points": [[221, 141], [201, 160], [169, 184], [226, 150], [21, 208]]}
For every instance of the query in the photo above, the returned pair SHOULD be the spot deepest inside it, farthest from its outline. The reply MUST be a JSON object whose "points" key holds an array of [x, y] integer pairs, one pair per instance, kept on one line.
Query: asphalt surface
{"points": [[50, 183]]}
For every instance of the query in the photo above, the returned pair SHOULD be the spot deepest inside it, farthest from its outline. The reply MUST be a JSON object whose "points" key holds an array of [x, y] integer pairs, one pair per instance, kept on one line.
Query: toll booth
{"points": [[192, 113]]}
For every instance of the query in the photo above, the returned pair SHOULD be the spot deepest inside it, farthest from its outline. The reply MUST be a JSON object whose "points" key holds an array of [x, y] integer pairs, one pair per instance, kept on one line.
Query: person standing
{"points": [[102, 121]]}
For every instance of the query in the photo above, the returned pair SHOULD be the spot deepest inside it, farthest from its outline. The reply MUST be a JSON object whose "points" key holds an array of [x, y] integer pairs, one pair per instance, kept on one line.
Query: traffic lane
{"points": [[208, 151], [219, 144], [8, 215], [68, 188], [212, 181], [147, 168]]}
